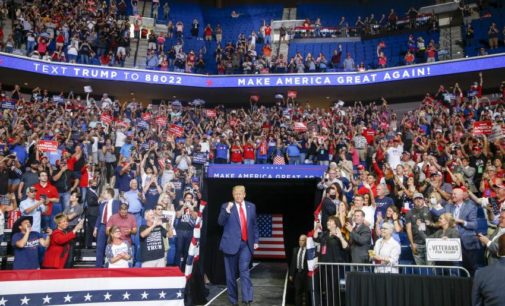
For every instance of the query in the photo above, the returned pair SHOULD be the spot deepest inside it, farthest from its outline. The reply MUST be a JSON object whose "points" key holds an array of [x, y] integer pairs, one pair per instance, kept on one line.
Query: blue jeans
{"points": [[30, 45], [294, 160], [303, 156], [248, 161], [183, 242], [64, 200], [84, 59]]}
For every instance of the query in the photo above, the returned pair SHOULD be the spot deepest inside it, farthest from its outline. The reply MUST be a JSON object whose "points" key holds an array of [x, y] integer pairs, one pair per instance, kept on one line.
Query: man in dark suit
{"points": [[465, 215], [488, 281], [360, 238], [107, 208], [298, 272], [491, 243], [240, 239]]}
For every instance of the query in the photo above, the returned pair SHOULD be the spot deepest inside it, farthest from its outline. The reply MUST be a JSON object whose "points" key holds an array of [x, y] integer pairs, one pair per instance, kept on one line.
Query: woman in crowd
{"points": [[59, 248], [386, 252], [447, 227], [117, 252], [334, 248], [392, 217]]}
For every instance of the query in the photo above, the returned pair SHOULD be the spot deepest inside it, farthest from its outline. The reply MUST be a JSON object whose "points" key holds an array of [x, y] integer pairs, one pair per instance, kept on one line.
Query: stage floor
{"points": [[268, 279]]}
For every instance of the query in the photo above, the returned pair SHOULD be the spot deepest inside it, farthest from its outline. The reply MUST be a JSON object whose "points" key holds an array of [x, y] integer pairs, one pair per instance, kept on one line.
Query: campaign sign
{"points": [[143, 125], [161, 121], [47, 145], [299, 127], [106, 118], [9, 104], [146, 116], [200, 158], [292, 94], [440, 249], [482, 128], [211, 113], [176, 130]]}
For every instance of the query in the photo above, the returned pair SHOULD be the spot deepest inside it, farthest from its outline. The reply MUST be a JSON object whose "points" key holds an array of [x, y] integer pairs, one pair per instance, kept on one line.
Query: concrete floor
{"points": [[268, 280]]}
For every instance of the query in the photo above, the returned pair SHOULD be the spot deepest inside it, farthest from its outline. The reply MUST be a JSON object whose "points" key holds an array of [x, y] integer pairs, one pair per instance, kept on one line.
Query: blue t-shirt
{"points": [[293, 150], [123, 181], [152, 195], [28, 257], [222, 151]]}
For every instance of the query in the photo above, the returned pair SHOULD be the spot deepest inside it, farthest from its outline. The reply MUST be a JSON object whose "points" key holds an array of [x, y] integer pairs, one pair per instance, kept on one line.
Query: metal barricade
{"points": [[329, 281]]}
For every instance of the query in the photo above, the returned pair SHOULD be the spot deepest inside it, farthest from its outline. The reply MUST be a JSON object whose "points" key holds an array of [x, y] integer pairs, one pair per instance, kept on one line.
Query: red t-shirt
{"points": [[369, 134], [236, 154], [50, 192], [84, 181], [248, 151], [71, 163]]}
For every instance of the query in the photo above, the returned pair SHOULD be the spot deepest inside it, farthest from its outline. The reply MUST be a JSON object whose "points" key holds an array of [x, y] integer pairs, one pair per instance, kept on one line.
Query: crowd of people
{"points": [[98, 33], [91, 32], [370, 25], [126, 172]]}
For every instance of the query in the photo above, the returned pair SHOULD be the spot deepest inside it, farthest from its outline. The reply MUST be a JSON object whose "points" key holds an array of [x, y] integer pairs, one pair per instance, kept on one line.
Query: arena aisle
{"points": [[268, 280]]}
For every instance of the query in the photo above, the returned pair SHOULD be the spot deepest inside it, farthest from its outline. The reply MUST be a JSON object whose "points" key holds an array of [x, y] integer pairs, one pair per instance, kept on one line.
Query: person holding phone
{"points": [[48, 194], [186, 213], [59, 248], [26, 244]]}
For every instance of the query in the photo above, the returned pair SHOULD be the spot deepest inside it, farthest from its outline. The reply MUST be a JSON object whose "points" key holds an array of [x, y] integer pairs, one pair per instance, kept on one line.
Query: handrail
{"points": [[399, 266]]}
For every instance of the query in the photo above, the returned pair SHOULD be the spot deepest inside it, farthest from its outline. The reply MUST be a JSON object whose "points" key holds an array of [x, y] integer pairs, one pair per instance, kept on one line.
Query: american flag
{"points": [[97, 287], [194, 247], [271, 232]]}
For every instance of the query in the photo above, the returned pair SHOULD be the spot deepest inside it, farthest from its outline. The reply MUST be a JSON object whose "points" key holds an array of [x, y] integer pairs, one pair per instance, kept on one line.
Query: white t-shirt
{"points": [[120, 139], [394, 155], [116, 249]]}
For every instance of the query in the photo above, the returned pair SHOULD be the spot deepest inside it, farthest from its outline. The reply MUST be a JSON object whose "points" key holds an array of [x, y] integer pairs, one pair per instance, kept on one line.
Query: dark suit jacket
{"points": [[468, 213], [115, 210], [294, 258], [361, 241], [492, 249], [488, 285], [328, 209], [232, 234]]}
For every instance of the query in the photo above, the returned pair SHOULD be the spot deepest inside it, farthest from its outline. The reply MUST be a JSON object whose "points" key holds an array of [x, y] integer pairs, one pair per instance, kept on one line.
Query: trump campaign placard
{"points": [[47, 145], [443, 249]]}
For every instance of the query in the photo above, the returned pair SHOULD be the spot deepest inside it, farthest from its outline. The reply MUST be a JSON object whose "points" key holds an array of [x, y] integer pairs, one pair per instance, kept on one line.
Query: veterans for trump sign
{"points": [[443, 249]]}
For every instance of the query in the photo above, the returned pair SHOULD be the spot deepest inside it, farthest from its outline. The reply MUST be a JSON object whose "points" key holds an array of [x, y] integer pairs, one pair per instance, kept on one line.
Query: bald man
{"points": [[298, 271], [465, 214]]}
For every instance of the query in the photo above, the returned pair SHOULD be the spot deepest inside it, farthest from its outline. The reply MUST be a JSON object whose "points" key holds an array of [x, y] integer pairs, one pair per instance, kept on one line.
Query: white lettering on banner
{"points": [[162, 79], [443, 249], [50, 69], [253, 81], [261, 176], [288, 80]]}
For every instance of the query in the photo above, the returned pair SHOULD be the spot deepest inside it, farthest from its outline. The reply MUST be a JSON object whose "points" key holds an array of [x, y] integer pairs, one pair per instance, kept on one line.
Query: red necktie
{"points": [[105, 213], [243, 223]]}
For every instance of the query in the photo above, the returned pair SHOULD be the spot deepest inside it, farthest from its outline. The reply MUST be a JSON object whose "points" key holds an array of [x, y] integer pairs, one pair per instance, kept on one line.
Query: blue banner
{"points": [[9, 105], [265, 171], [253, 81]]}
